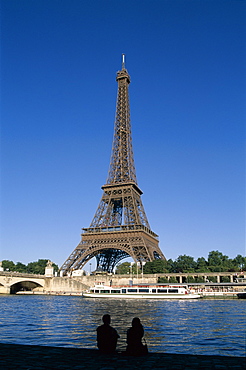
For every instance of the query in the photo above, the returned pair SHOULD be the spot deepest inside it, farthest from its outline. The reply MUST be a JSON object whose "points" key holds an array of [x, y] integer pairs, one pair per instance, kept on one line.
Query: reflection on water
{"points": [[211, 327]]}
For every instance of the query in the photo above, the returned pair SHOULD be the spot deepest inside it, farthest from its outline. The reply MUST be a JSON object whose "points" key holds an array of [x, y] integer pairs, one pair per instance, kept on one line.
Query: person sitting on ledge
{"points": [[135, 347], [106, 336]]}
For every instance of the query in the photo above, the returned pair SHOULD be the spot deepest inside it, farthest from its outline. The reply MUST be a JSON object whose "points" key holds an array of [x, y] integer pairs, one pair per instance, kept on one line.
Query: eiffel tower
{"points": [[120, 227]]}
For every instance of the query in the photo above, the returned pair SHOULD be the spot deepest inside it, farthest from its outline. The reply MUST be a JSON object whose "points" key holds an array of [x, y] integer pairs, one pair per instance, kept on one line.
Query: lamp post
{"points": [[143, 263], [131, 264], [138, 264]]}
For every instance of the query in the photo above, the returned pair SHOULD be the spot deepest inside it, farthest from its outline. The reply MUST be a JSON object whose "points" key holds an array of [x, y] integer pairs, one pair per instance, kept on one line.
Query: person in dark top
{"points": [[135, 334], [106, 336]]}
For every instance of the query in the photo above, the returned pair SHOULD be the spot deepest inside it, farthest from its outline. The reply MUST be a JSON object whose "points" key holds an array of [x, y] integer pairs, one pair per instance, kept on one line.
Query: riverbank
{"points": [[14, 356]]}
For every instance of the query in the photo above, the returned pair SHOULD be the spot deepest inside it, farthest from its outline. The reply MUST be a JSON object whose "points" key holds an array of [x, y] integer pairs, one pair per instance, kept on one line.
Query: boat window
{"points": [[173, 291], [104, 291], [115, 291], [143, 290], [96, 291], [123, 290], [132, 290], [153, 290], [161, 290]]}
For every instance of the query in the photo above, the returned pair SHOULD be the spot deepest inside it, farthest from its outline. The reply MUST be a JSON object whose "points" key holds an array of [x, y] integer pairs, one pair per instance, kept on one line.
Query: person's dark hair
{"points": [[106, 319], [136, 321]]}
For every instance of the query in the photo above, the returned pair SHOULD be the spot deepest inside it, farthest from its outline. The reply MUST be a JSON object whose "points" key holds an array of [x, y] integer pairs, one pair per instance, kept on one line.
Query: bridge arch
{"points": [[24, 286]]}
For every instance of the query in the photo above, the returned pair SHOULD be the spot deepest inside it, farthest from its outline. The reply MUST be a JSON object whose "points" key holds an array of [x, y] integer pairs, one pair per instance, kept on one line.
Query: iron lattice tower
{"points": [[120, 227]]}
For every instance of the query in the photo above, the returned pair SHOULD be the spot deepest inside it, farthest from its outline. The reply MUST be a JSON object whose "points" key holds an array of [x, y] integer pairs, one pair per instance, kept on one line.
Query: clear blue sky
{"points": [[186, 60]]}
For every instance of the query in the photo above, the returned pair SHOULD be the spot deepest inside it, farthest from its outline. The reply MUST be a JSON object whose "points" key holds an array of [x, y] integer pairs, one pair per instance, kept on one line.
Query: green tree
{"points": [[8, 265], [239, 262], [215, 258], [173, 280], [185, 264], [123, 268], [218, 262], [162, 279], [225, 279], [199, 279], [201, 265], [56, 267], [136, 269], [212, 279], [190, 279], [170, 265], [20, 267], [156, 267], [38, 267]]}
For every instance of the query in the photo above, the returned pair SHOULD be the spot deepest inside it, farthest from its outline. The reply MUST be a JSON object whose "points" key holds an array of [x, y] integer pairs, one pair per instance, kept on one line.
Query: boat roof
{"points": [[144, 285]]}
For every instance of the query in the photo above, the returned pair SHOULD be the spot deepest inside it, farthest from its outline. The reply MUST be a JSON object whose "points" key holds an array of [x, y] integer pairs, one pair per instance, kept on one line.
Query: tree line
{"points": [[216, 262], [37, 267]]}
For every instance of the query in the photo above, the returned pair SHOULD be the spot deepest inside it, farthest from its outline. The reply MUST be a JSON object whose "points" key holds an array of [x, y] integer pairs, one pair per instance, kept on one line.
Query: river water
{"points": [[204, 327]]}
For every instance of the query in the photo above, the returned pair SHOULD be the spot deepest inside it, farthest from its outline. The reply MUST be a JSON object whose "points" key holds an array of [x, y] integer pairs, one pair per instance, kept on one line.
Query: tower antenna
{"points": [[123, 61]]}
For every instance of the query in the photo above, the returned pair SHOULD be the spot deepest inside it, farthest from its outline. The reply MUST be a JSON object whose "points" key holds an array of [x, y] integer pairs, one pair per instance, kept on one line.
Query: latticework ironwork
{"points": [[120, 227]]}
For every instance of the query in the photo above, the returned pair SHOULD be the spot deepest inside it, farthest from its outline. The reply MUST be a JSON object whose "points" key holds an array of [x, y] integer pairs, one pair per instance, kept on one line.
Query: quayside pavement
{"points": [[14, 356]]}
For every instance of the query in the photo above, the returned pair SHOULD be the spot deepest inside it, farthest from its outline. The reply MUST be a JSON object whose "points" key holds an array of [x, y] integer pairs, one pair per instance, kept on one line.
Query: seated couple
{"points": [[107, 338]]}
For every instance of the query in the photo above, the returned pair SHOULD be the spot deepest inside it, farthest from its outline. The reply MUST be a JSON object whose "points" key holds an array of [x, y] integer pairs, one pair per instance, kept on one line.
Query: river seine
{"points": [[202, 327]]}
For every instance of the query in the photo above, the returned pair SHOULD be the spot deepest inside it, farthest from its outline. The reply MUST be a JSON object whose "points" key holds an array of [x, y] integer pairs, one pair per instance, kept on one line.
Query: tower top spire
{"points": [[123, 61], [122, 168]]}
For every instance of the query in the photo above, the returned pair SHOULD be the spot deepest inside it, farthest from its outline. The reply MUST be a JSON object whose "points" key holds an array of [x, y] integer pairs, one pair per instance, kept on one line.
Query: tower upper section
{"points": [[122, 168]]}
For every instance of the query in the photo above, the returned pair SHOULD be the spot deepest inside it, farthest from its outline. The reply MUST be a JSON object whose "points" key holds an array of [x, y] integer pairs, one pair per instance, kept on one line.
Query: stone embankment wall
{"points": [[117, 280], [75, 284], [63, 284]]}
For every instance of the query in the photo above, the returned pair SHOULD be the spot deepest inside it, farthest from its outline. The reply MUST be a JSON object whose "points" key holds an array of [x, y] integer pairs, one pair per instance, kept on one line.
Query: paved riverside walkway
{"points": [[14, 356]]}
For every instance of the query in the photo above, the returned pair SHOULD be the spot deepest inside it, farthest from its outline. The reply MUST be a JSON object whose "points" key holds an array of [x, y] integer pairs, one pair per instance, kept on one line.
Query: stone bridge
{"points": [[14, 282]]}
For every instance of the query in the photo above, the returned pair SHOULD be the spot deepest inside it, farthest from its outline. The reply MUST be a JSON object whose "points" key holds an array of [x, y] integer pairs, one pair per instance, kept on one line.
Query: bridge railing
{"points": [[21, 274]]}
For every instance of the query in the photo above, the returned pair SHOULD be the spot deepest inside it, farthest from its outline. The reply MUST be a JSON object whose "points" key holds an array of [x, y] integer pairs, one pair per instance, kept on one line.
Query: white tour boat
{"points": [[141, 292]]}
